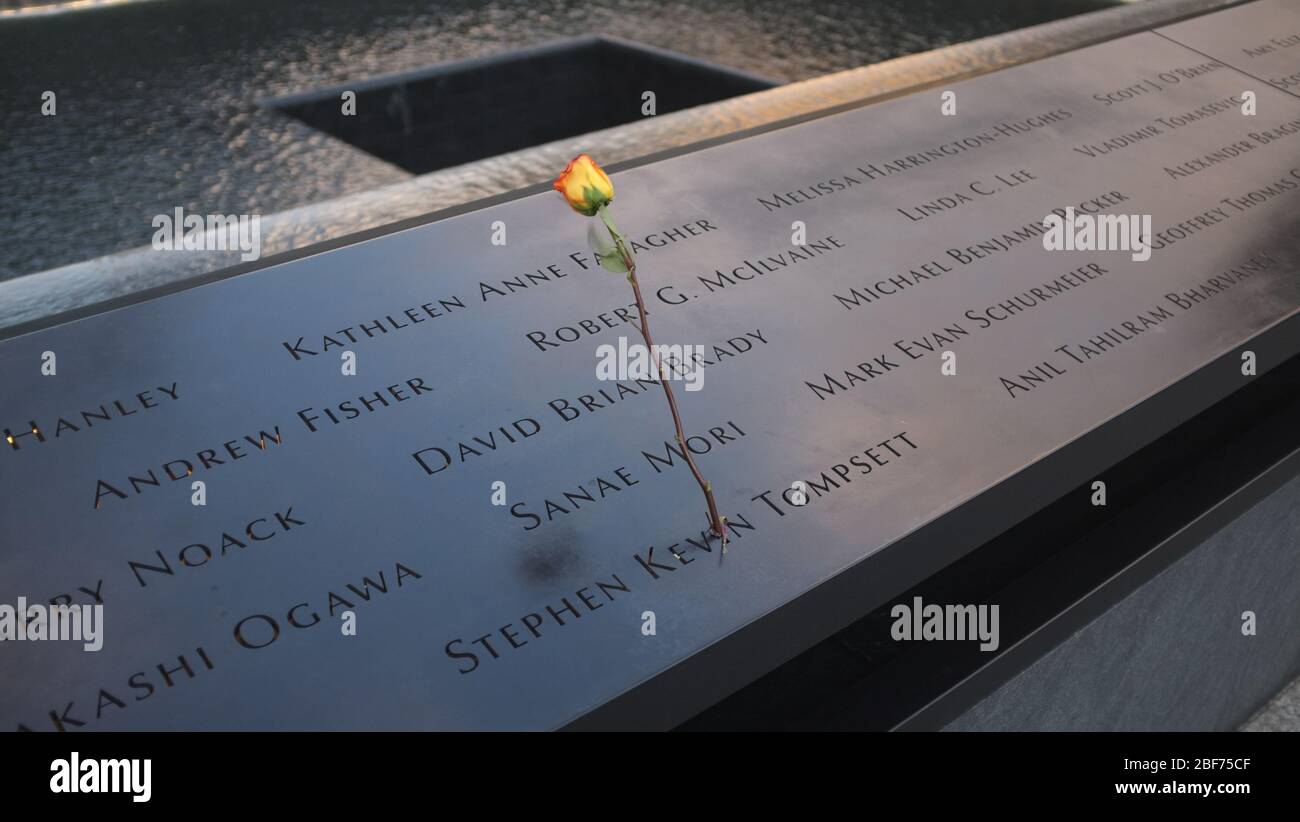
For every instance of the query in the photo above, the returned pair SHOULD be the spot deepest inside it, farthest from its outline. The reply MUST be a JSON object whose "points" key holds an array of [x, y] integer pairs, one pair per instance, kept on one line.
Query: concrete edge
{"points": [[43, 294]]}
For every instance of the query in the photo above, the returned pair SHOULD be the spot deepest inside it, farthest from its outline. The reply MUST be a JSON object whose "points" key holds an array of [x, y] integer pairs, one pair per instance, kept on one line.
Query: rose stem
{"points": [[715, 519]]}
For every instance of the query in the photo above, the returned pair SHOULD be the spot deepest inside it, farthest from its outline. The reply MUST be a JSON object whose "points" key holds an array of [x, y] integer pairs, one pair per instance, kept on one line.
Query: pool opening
{"points": [[466, 110]]}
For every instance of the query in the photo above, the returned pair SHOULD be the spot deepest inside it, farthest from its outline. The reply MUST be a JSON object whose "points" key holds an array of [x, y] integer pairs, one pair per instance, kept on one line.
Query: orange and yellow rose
{"points": [[585, 185]]}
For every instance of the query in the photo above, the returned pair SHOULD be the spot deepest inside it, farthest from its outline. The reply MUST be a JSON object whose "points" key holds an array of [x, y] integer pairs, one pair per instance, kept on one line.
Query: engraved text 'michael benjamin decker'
{"points": [[894, 283]]}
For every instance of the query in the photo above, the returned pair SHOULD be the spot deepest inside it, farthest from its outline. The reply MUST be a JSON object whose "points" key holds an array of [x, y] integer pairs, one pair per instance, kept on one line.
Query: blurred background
{"points": [[160, 102]]}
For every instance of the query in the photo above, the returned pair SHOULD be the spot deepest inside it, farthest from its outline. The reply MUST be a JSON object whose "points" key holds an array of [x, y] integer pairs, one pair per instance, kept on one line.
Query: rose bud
{"points": [[585, 185]]}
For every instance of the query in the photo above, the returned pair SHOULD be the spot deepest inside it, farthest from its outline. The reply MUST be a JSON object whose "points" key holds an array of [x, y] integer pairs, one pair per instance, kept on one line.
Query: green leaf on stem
{"points": [[605, 250]]}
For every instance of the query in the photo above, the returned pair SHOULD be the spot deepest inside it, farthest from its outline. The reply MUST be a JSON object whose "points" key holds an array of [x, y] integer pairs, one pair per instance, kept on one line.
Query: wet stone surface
{"points": [[158, 102]]}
